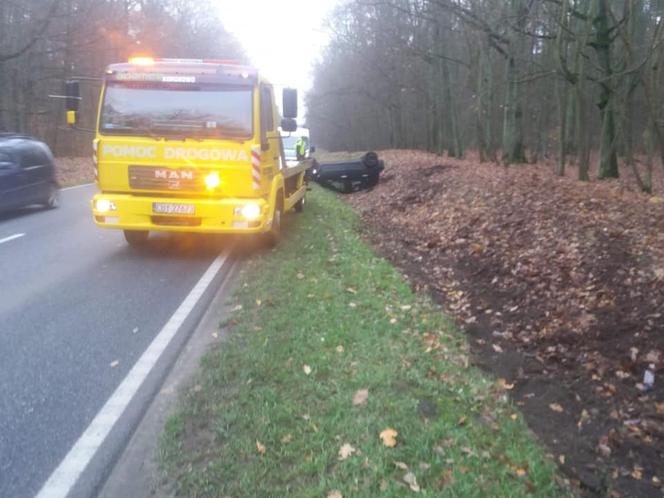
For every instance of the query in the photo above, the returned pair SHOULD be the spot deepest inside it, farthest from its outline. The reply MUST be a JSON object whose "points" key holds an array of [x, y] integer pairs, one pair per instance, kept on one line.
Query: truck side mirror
{"points": [[289, 125], [290, 103], [73, 95]]}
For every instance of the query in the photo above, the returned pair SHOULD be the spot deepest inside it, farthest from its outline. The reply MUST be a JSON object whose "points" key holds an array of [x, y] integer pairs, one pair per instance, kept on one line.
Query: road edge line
{"points": [[64, 477], [12, 237], [77, 186]]}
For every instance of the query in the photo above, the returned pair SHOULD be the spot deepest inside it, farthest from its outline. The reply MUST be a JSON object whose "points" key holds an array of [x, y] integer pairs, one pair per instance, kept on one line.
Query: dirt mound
{"points": [[560, 285]]}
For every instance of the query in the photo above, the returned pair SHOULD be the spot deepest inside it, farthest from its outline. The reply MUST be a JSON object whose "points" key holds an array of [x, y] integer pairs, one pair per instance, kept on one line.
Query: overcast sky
{"points": [[282, 37]]}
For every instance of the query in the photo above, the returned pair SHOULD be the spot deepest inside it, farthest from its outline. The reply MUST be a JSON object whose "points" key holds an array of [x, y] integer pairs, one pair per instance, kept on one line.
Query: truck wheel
{"points": [[272, 237], [136, 238], [53, 199], [299, 206]]}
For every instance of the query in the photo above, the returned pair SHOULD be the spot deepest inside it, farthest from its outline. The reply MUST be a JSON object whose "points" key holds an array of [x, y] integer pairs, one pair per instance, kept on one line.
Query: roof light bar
{"points": [[141, 61]]}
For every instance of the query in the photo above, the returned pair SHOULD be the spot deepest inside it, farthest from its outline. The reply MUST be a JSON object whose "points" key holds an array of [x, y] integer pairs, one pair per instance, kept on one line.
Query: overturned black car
{"points": [[349, 176]]}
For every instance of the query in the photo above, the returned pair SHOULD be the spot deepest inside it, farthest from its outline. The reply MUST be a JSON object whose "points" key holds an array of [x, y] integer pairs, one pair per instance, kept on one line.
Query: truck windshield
{"points": [[177, 110]]}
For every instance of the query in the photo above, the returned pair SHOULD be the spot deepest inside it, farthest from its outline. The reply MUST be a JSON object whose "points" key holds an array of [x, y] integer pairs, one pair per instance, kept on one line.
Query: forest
{"points": [[578, 82], [45, 42]]}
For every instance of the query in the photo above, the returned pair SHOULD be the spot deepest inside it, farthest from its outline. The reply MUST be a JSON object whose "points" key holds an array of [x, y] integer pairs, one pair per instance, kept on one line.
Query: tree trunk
{"points": [[608, 159], [513, 148], [455, 147], [561, 87]]}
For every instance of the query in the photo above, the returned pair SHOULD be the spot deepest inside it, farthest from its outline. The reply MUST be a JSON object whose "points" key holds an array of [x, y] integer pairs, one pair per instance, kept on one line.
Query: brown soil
{"points": [[560, 287], [74, 170]]}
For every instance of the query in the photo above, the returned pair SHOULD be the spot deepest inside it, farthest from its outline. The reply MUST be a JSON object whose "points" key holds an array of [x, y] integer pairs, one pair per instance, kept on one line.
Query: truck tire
{"points": [[136, 238], [272, 237]]}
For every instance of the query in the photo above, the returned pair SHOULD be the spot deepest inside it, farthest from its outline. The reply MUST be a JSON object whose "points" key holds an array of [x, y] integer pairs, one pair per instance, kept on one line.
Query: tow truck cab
{"points": [[191, 145]]}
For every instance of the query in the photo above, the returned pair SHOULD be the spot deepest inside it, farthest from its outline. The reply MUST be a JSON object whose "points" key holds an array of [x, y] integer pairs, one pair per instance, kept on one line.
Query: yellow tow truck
{"points": [[188, 145]]}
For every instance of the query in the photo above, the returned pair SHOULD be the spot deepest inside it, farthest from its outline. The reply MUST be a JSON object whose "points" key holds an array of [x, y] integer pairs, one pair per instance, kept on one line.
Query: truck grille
{"points": [[159, 178]]}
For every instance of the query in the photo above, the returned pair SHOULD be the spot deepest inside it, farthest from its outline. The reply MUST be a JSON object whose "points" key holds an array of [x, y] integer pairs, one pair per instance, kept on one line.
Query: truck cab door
{"points": [[272, 152]]}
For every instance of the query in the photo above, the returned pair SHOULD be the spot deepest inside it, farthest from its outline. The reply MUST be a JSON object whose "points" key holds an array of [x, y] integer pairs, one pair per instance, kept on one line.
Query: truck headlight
{"points": [[250, 211], [212, 181], [104, 206]]}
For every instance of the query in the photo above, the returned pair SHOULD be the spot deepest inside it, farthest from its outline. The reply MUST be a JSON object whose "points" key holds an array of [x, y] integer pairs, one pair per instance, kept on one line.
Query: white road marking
{"points": [[77, 186], [63, 479], [12, 237]]}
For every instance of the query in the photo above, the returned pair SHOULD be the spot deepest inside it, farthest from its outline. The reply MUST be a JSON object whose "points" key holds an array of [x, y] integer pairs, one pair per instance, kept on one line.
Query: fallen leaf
{"points": [[300, 276], [561, 459], [653, 356], [260, 448], [287, 439], [258, 302], [502, 383], [352, 305], [497, 348], [585, 416], [411, 480], [556, 407], [334, 494], [115, 363], [604, 450], [401, 465], [351, 290], [477, 248], [519, 471], [637, 473], [340, 349], [307, 369], [389, 437], [345, 451], [360, 397], [406, 307], [238, 308]]}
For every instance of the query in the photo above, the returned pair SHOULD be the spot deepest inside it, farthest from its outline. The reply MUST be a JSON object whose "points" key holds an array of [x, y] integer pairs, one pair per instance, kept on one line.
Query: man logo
{"points": [[166, 174]]}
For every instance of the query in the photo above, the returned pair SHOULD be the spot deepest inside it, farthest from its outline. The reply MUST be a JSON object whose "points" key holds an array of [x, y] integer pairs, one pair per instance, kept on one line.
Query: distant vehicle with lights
{"points": [[188, 145]]}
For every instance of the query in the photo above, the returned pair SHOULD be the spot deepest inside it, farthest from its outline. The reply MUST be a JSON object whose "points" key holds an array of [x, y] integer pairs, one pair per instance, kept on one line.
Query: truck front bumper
{"points": [[134, 212]]}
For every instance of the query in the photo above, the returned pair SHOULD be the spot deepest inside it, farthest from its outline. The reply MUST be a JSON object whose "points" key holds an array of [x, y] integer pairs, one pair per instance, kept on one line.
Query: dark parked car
{"points": [[27, 173]]}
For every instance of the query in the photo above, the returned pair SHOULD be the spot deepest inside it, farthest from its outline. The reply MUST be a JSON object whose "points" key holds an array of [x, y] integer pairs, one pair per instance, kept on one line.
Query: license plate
{"points": [[170, 208]]}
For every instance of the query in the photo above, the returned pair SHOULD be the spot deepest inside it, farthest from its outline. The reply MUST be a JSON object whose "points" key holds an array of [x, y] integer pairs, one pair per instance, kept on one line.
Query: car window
{"points": [[33, 156]]}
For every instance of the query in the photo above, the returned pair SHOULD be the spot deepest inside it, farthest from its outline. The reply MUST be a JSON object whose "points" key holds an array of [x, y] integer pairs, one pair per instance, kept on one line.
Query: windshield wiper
{"points": [[142, 130]]}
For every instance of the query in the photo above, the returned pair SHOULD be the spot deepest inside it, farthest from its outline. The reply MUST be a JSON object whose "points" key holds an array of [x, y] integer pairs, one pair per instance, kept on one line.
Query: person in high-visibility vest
{"points": [[300, 148]]}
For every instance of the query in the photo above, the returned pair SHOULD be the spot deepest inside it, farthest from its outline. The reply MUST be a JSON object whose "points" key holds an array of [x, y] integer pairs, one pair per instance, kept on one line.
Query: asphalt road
{"points": [[77, 308]]}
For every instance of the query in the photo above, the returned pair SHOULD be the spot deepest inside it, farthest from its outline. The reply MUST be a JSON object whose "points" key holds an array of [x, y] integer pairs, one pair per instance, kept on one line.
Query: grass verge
{"points": [[320, 323]]}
